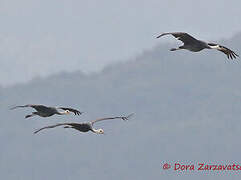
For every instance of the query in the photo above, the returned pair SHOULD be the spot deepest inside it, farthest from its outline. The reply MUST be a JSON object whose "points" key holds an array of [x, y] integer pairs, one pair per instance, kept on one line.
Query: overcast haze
{"points": [[38, 38]]}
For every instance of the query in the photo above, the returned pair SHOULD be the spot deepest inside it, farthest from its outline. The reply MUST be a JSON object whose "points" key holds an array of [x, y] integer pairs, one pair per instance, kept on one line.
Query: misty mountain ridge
{"points": [[161, 48]]}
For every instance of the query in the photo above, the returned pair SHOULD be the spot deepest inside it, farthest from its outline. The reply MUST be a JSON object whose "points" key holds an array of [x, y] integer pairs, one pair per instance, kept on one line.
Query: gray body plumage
{"points": [[82, 127], [44, 111], [195, 47]]}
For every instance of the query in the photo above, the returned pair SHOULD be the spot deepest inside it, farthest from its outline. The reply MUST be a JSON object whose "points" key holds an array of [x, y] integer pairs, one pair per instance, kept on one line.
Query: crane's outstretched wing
{"points": [[225, 50], [75, 111], [124, 118], [56, 125], [228, 52], [15, 107], [35, 106], [182, 36]]}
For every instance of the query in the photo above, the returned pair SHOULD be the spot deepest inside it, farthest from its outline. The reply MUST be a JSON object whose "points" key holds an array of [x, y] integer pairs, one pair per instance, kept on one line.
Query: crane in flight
{"points": [[85, 126], [46, 111], [195, 45]]}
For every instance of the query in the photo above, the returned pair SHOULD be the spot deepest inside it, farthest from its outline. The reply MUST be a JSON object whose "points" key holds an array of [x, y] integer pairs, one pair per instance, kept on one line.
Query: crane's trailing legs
{"points": [[31, 115], [174, 49]]}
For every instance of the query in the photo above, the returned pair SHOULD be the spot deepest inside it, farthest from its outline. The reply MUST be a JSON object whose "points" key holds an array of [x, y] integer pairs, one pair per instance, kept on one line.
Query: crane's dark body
{"points": [[44, 111], [190, 43], [195, 45], [82, 127], [200, 45]]}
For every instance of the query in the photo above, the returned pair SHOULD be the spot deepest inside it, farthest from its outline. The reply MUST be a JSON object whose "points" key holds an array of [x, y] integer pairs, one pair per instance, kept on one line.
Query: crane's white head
{"points": [[99, 131], [67, 112], [63, 112]]}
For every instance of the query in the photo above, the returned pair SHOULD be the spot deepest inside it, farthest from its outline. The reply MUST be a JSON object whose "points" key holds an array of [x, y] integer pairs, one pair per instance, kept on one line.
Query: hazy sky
{"points": [[38, 38]]}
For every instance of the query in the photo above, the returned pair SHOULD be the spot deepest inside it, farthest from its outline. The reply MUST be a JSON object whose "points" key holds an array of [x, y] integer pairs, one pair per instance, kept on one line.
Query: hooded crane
{"points": [[86, 126], [192, 44], [45, 111]]}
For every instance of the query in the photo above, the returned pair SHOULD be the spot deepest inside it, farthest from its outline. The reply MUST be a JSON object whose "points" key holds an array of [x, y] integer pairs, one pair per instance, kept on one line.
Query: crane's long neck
{"points": [[97, 131], [212, 46], [62, 113]]}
